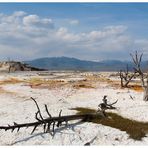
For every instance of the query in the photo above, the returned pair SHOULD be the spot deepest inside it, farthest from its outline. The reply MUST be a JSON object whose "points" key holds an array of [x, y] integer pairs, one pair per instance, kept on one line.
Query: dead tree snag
{"points": [[137, 69], [126, 77]]}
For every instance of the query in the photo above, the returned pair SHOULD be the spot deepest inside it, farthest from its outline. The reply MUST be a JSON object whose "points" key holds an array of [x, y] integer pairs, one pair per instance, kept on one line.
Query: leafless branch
{"points": [[54, 121], [126, 77], [137, 66]]}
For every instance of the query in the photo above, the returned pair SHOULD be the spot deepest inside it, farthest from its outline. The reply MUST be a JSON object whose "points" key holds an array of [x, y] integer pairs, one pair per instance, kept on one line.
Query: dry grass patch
{"points": [[50, 84], [42, 83], [98, 78], [102, 79], [10, 81], [115, 84], [136, 87], [83, 84], [132, 85], [135, 129]]}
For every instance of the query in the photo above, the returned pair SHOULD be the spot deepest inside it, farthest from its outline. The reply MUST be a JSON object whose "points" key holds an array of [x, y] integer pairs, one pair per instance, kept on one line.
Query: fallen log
{"points": [[61, 119], [50, 121]]}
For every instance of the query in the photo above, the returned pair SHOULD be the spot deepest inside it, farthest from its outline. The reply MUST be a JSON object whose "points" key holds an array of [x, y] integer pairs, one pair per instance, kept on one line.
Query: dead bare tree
{"points": [[137, 69], [9, 69], [50, 122], [126, 77]]}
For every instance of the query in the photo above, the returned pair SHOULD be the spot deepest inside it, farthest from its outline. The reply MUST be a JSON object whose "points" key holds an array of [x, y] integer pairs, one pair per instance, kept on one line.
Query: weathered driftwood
{"points": [[104, 106], [50, 122]]}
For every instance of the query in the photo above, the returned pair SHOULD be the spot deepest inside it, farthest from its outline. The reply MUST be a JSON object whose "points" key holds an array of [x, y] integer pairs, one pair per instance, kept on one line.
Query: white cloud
{"points": [[31, 19], [19, 13], [115, 29], [74, 22], [37, 21], [30, 36]]}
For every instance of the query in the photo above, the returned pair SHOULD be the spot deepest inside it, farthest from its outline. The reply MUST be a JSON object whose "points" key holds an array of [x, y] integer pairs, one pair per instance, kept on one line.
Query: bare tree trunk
{"points": [[137, 68], [145, 96], [9, 69], [125, 77], [122, 82]]}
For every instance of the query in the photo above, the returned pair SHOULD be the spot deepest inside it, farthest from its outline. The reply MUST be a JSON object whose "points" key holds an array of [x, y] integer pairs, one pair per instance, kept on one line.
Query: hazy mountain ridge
{"points": [[66, 63]]}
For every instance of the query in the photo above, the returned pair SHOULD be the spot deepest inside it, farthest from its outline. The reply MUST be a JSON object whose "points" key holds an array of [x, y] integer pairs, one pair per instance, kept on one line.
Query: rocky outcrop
{"points": [[11, 66]]}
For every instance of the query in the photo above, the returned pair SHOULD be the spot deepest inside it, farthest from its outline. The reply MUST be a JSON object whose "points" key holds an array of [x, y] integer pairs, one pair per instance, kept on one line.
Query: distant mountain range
{"points": [[65, 63]]}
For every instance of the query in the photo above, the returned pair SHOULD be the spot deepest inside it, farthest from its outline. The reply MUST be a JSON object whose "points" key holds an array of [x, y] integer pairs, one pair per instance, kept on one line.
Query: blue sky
{"points": [[89, 31]]}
